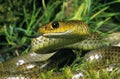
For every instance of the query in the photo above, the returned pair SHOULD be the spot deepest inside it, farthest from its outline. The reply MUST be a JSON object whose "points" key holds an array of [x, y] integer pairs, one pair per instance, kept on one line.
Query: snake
{"points": [[57, 35]]}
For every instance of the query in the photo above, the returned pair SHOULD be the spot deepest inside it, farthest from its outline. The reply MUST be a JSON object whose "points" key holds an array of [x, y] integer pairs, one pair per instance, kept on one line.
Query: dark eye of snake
{"points": [[55, 24]]}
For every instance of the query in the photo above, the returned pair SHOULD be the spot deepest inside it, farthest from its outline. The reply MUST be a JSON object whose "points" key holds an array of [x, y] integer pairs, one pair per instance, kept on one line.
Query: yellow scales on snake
{"points": [[57, 35]]}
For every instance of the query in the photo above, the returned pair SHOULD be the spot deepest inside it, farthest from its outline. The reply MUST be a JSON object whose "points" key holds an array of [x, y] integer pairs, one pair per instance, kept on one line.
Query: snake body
{"points": [[55, 36], [105, 56]]}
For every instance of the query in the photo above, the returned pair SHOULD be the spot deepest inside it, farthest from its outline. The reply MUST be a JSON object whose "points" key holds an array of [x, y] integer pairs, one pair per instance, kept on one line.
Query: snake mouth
{"points": [[58, 34]]}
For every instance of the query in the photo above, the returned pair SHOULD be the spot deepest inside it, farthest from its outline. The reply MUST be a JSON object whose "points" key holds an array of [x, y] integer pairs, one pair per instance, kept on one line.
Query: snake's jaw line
{"points": [[60, 34]]}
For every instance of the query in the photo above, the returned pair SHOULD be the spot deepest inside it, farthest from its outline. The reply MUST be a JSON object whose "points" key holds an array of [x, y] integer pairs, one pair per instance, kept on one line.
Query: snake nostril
{"points": [[55, 24]]}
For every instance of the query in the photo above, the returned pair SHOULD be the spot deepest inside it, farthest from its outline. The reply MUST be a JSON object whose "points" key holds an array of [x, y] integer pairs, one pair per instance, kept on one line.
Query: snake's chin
{"points": [[59, 34]]}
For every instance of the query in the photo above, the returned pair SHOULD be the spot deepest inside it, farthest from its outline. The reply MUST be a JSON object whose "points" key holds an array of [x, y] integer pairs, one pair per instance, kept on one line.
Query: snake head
{"points": [[65, 29]]}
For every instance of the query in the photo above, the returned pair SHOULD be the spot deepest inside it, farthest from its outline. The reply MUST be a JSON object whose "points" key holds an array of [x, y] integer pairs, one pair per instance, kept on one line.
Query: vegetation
{"points": [[21, 18]]}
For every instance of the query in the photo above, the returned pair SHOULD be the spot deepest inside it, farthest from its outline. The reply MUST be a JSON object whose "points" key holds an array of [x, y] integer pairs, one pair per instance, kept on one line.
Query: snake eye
{"points": [[55, 24]]}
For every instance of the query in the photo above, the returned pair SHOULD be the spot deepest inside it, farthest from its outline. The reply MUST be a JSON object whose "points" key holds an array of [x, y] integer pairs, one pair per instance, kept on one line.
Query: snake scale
{"points": [[57, 35]]}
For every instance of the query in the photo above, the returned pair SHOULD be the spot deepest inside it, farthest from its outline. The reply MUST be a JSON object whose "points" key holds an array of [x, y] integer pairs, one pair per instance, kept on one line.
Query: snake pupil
{"points": [[55, 24]]}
